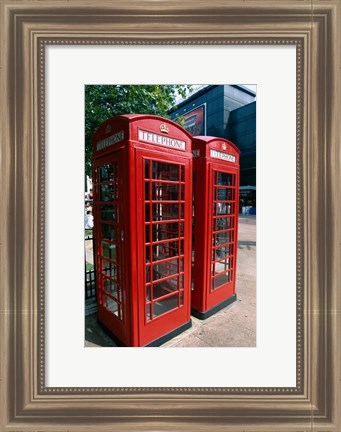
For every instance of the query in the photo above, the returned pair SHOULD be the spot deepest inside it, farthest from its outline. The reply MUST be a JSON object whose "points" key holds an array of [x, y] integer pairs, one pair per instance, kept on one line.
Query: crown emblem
{"points": [[223, 146], [108, 129], [164, 128]]}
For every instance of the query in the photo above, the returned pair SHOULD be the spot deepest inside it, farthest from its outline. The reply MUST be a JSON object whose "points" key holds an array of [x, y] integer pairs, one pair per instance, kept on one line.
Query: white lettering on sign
{"points": [[107, 142], [225, 156], [162, 140]]}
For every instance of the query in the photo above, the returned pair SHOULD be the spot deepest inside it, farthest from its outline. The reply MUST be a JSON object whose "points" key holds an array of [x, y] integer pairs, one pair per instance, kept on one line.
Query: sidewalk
{"points": [[234, 326]]}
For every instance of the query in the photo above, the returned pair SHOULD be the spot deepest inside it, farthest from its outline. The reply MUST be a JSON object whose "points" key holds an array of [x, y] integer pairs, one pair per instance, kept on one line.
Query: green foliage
{"points": [[105, 101], [89, 267]]}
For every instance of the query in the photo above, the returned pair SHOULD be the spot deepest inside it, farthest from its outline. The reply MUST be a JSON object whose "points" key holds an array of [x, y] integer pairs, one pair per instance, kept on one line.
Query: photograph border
{"points": [[27, 28]]}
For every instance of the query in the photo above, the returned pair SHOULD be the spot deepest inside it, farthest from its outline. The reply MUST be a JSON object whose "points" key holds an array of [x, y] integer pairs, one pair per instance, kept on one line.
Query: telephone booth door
{"points": [[216, 195], [164, 297], [109, 215], [224, 225], [142, 169]]}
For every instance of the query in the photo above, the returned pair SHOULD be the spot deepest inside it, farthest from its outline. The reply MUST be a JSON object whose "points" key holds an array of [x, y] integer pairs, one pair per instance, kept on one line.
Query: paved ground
{"points": [[234, 326]]}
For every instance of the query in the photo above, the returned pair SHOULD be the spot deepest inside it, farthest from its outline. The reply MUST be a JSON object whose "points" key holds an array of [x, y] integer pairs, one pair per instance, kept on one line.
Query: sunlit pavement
{"points": [[234, 326]]}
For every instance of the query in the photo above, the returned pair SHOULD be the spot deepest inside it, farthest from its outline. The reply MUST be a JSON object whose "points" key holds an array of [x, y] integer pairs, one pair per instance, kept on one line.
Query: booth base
{"points": [[204, 315], [165, 338], [157, 342]]}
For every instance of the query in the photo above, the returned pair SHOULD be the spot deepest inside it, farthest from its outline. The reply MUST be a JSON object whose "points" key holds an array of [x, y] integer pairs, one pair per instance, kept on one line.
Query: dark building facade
{"points": [[227, 111]]}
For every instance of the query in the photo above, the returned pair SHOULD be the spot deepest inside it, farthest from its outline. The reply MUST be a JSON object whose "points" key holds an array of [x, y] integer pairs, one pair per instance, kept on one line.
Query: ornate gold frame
{"points": [[27, 26]]}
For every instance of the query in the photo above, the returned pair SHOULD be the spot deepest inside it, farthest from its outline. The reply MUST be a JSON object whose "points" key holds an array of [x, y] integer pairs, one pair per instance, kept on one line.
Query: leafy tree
{"points": [[105, 101]]}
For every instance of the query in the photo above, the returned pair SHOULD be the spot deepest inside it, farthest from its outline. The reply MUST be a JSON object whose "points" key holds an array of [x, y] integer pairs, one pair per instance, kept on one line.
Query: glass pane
{"points": [[148, 293], [181, 247], [147, 274], [167, 231], [147, 212], [223, 194], [165, 305], [182, 169], [111, 305], [108, 232], [222, 252], [148, 254], [165, 250], [224, 179], [106, 173], [181, 298], [148, 312], [146, 191], [109, 250], [181, 278], [223, 223], [221, 280], [165, 287], [147, 233], [164, 269], [165, 171], [224, 237], [221, 266], [165, 192], [110, 287], [109, 269], [146, 169], [167, 211], [223, 209], [106, 192], [108, 212]]}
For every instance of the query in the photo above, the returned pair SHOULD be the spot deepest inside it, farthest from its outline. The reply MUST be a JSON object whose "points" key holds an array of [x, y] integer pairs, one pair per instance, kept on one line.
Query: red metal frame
{"points": [[215, 234], [153, 230]]}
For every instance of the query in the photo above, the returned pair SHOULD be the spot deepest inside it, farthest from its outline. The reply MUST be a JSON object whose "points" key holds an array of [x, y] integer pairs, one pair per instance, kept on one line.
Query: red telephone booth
{"points": [[142, 170], [215, 233]]}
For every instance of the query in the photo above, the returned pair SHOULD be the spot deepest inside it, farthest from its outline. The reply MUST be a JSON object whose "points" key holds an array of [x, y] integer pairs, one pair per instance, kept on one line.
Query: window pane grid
{"points": [[171, 294], [223, 228], [110, 269], [115, 293], [155, 308], [107, 214], [113, 305], [164, 236], [221, 279], [222, 266]]}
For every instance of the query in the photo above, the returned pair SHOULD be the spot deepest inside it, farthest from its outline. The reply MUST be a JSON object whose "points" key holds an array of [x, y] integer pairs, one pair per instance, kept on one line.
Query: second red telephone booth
{"points": [[142, 170], [215, 233]]}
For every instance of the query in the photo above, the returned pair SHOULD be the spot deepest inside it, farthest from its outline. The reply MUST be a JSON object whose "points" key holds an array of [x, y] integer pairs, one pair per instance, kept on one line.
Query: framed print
{"points": [[68, 70], [42, 45]]}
